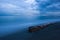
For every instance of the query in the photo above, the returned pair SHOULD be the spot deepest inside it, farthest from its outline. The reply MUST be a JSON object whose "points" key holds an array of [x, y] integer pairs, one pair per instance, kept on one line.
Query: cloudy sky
{"points": [[29, 7]]}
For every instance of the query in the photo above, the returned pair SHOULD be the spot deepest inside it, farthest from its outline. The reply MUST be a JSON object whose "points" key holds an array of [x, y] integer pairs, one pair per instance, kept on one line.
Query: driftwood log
{"points": [[39, 27]]}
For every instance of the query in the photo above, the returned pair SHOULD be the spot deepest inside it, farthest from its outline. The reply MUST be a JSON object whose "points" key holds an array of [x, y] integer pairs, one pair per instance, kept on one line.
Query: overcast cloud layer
{"points": [[29, 7]]}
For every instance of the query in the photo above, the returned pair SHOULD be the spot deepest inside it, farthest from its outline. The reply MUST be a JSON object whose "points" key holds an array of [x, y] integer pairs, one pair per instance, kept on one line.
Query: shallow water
{"points": [[12, 24], [20, 31]]}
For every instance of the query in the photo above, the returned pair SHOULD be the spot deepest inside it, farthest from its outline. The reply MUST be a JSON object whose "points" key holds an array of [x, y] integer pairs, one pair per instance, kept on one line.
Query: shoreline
{"points": [[43, 26]]}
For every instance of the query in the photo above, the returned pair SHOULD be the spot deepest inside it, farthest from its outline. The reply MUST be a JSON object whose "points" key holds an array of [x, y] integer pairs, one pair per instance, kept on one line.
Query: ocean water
{"points": [[12, 24], [17, 29]]}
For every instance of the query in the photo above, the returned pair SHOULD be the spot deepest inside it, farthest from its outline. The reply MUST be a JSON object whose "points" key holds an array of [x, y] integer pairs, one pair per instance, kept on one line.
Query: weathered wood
{"points": [[39, 27]]}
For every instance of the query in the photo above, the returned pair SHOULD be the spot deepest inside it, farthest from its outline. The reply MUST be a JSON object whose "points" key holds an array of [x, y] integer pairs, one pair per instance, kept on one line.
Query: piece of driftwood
{"points": [[33, 29], [38, 27]]}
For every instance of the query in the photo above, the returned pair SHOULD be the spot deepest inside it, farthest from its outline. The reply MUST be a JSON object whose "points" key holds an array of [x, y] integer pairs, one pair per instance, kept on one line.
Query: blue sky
{"points": [[29, 7]]}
